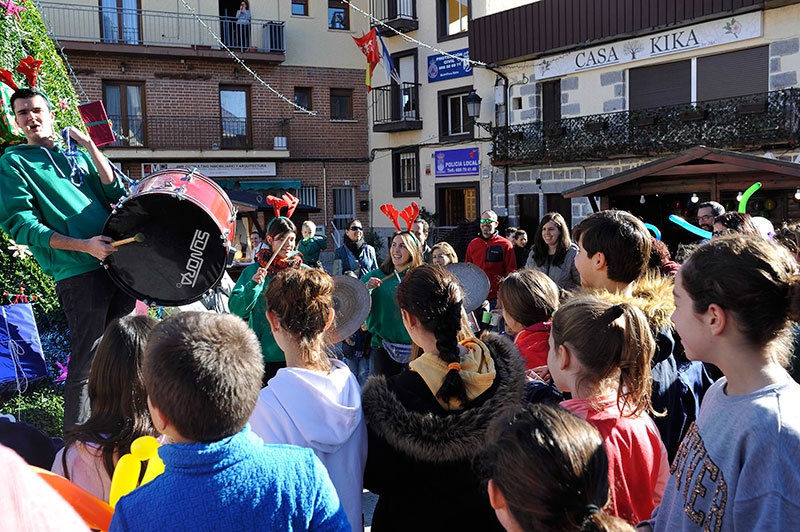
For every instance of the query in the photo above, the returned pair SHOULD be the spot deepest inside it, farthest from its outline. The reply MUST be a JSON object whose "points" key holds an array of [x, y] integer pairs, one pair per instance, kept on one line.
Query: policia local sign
{"points": [[707, 34]]}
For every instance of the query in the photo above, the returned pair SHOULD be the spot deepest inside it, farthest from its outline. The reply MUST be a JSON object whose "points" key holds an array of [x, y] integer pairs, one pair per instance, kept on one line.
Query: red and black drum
{"points": [[187, 222]]}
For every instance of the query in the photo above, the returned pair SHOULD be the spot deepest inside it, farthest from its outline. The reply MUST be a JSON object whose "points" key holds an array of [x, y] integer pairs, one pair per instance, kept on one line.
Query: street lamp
{"points": [[474, 110]]}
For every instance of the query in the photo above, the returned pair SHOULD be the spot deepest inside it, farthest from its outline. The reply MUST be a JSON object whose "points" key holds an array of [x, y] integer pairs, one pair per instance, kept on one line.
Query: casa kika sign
{"points": [[714, 33]]}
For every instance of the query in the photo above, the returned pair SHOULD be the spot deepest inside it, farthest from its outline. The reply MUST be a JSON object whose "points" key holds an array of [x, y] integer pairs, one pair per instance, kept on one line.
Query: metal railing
{"points": [[735, 123], [395, 103], [100, 24], [385, 10], [193, 133]]}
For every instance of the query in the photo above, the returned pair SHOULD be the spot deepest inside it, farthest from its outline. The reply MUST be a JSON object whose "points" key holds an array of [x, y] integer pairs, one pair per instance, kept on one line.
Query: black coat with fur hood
{"points": [[420, 455]]}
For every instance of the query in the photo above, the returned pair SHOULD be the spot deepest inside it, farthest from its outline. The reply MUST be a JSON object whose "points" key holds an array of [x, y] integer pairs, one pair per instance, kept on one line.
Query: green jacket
{"points": [[311, 247], [247, 302], [384, 320], [37, 198]]}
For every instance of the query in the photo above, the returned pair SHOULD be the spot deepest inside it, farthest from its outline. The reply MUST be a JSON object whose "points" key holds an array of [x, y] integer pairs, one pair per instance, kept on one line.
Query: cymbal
{"points": [[351, 302], [473, 281]]}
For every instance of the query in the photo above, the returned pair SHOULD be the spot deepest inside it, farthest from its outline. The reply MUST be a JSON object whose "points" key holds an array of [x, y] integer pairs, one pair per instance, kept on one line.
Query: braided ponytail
{"points": [[433, 296]]}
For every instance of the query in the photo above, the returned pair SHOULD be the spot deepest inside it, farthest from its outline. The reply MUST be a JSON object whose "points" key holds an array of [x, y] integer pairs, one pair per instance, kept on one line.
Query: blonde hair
{"points": [[308, 224], [447, 249]]}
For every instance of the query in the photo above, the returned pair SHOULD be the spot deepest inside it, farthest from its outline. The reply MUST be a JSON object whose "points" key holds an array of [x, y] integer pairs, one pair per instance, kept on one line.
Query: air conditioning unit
{"points": [[279, 143]]}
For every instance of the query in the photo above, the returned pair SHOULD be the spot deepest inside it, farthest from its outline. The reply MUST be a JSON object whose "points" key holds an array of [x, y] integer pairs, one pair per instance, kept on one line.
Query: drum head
{"points": [[182, 256]]}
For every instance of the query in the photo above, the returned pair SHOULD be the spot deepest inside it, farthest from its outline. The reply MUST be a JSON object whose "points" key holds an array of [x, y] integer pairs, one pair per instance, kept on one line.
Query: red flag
{"points": [[369, 46]]}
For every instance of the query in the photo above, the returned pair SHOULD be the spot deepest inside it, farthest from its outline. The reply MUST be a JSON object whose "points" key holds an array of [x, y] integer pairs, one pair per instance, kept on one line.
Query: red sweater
{"points": [[638, 467], [495, 256], [532, 342]]}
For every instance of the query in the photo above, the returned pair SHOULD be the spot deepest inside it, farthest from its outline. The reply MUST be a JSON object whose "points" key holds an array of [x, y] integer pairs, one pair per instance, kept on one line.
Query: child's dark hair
{"points": [[528, 296], [621, 237], [433, 295], [751, 278], [540, 247], [117, 393], [552, 469], [737, 222], [302, 298], [203, 371], [611, 342]]}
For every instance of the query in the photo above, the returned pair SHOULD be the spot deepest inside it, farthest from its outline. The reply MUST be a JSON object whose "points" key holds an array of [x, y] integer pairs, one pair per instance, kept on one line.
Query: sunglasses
{"points": [[356, 228], [487, 221]]}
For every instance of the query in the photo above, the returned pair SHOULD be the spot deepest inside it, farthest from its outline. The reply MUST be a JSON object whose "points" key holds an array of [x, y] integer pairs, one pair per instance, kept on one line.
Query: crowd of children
{"points": [[447, 434]]}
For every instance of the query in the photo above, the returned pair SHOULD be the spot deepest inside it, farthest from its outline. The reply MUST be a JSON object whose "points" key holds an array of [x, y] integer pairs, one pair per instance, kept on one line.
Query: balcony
{"points": [[132, 30], [396, 108], [196, 134], [400, 15], [755, 121]]}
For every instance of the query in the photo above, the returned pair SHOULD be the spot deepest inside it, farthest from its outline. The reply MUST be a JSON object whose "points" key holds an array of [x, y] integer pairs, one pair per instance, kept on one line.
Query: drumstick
{"points": [[275, 253], [138, 237]]}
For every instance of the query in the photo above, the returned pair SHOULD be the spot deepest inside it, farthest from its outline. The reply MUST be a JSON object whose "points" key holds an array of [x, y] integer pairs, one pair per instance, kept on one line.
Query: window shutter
{"points": [[659, 85], [733, 74]]}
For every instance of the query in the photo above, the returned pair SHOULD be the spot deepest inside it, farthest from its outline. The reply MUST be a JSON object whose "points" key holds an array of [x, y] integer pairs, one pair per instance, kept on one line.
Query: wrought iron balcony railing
{"points": [[193, 133], [737, 123], [396, 107], [116, 25], [398, 14]]}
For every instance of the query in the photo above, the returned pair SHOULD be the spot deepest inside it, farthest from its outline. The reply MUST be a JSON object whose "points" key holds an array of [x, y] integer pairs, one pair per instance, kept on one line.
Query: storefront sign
{"points": [[707, 34], [265, 169], [461, 162], [442, 67]]}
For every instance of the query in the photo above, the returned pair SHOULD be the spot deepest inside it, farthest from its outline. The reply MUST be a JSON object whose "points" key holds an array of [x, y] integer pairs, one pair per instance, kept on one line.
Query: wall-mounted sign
{"points": [[265, 169], [450, 163], [442, 67], [723, 31]]}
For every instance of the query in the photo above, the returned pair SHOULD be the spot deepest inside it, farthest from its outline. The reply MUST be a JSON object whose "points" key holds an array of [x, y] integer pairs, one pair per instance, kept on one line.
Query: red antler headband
{"points": [[409, 214], [286, 200]]}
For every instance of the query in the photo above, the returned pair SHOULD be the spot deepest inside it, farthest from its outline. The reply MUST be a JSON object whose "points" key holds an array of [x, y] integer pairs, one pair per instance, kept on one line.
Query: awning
{"points": [[246, 202], [259, 184]]}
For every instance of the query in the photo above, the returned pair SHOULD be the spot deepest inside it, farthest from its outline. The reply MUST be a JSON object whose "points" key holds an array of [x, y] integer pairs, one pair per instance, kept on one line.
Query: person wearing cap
{"points": [[492, 253], [56, 203]]}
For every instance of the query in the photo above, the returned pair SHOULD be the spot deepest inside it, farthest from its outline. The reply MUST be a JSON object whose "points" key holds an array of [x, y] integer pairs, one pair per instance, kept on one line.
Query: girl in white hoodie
{"points": [[315, 401]]}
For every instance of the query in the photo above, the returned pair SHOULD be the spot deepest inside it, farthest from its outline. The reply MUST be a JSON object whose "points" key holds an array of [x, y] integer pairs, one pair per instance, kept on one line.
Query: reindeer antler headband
{"points": [[409, 214], [286, 200]]}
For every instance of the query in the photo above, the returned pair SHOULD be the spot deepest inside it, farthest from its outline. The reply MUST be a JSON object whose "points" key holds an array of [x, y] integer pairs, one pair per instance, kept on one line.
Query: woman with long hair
{"points": [[554, 253], [426, 425], [391, 344], [315, 401], [119, 411], [247, 298]]}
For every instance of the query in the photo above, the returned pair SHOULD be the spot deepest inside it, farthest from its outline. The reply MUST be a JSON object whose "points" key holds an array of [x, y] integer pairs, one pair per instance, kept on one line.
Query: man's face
{"points": [[488, 224], [705, 218], [418, 231], [35, 119]]}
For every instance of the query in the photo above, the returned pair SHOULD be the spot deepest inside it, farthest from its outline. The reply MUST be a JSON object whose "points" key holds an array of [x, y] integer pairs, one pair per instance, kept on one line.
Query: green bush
{"points": [[43, 408]]}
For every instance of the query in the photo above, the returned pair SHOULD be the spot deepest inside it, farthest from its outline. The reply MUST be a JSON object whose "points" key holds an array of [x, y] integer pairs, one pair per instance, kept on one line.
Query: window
{"points": [[405, 173], [344, 206], [454, 122], [338, 15], [300, 7], [733, 74], [120, 21], [660, 85], [125, 106], [302, 97], [234, 105], [453, 18], [341, 104], [551, 101], [308, 196]]}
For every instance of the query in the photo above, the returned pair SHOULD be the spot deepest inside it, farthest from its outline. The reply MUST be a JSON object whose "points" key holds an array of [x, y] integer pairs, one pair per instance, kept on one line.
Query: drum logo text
{"points": [[195, 262]]}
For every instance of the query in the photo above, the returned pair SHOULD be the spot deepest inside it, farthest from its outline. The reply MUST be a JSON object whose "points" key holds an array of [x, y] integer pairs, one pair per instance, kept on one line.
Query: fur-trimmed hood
{"points": [[456, 435], [653, 296]]}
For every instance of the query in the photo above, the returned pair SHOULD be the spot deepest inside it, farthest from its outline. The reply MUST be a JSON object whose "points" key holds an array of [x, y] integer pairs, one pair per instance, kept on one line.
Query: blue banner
{"points": [[442, 67], [466, 161]]}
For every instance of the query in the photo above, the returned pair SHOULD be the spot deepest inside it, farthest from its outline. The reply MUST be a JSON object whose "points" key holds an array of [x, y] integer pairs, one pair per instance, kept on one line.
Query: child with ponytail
{"points": [[736, 299], [426, 425], [601, 353]]}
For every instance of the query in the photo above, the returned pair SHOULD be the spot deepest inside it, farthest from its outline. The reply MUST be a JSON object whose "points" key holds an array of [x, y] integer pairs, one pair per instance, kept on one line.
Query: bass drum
{"points": [[187, 222]]}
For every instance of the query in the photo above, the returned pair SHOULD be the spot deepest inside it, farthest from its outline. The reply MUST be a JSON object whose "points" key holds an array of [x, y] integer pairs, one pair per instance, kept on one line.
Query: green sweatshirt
{"points": [[384, 320], [37, 198]]}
